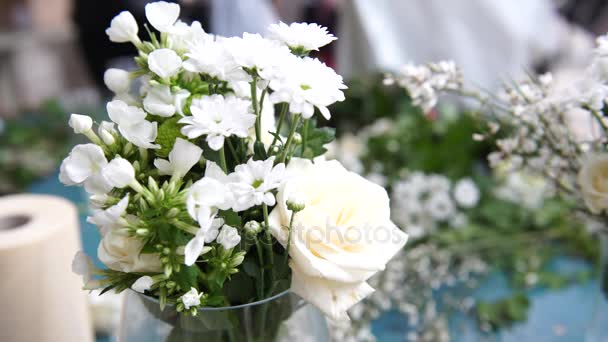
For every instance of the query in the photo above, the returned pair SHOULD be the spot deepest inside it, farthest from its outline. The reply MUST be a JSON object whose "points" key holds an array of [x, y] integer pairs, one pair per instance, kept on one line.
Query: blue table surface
{"points": [[555, 316]]}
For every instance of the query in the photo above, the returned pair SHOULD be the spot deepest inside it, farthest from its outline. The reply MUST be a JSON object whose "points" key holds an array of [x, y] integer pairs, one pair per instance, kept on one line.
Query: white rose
{"points": [[593, 181], [341, 238], [123, 253]]}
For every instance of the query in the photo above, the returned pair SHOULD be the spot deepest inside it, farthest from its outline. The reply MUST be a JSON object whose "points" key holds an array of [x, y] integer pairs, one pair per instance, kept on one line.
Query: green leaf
{"points": [[316, 139]]}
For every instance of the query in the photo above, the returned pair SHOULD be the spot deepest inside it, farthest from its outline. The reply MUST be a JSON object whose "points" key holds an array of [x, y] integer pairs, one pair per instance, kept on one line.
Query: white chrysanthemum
{"points": [[254, 51], [217, 118], [301, 35], [306, 83], [254, 181], [212, 58], [466, 193]]}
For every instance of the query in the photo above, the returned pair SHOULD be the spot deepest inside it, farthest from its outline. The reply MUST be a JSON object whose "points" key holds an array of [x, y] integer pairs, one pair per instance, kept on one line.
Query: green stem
{"points": [[223, 160], [294, 126], [284, 109], [269, 245], [261, 288], [304, 135], [289, 238], [600, 120], [232, 150], [254, 102]]}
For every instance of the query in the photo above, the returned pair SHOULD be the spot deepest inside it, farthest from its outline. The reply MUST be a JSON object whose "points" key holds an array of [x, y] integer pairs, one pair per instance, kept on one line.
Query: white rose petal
{"points": [[80, 123], [122, 253], [593, 181], [164, 62], [341, 238], [123, 28], [162, 15]]}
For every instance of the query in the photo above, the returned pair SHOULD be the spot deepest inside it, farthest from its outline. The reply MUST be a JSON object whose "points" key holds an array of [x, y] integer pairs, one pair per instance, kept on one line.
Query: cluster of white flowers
{"points": [[424, 82], [422, 202], [190, 164]]}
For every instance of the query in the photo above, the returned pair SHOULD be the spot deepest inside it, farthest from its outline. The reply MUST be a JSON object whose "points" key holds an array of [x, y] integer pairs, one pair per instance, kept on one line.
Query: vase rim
{"points": [[222, 308]]}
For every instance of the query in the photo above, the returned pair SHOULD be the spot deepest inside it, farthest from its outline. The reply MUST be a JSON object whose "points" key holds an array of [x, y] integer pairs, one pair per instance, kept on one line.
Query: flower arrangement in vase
{"points": [[200, 200]]}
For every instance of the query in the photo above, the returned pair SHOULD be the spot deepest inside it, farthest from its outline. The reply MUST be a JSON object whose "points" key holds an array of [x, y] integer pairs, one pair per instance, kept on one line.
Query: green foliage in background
{"points": [[522, 243]]}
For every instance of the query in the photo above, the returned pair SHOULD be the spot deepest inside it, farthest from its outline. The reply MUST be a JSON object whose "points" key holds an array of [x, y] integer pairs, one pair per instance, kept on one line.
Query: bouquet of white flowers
{"points": [[199, 199]]}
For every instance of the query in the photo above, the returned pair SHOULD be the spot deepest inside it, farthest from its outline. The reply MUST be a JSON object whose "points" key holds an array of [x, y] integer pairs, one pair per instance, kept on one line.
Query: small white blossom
{"points": [[110, 218], [162, 15], [254, 182], [117, 80], [83, 162], [191, 298], [119, 173], [164, 62], [306, 83], [301, 35], [182, 158], [162, 102], [123, 28], [210, 193], [466, 193], [217, 118], [228, 237], [207, 233], [132, 124], [142, 284], [440, 206], [80, 123]]}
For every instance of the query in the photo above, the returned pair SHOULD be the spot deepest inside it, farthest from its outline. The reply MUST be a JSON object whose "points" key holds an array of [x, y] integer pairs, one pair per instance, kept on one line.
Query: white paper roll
{"points": [[40, 298]]}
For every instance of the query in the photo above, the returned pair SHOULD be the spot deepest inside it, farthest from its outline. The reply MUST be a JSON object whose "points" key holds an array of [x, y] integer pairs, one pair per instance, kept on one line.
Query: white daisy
{"points": [[301, 35]]}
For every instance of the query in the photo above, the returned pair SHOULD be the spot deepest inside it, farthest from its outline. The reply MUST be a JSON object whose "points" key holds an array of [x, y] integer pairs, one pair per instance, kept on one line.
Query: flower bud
{"points": [[123, 28], [142, 232], [297, 138], [296, 203], [107, 132], [252, 227], [237, 260], [80, 123], [117, 80]]}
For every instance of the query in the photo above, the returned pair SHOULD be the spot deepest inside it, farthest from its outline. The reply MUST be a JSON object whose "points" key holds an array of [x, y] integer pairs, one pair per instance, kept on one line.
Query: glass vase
{"points": [[284, 317], [598, 327]]}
